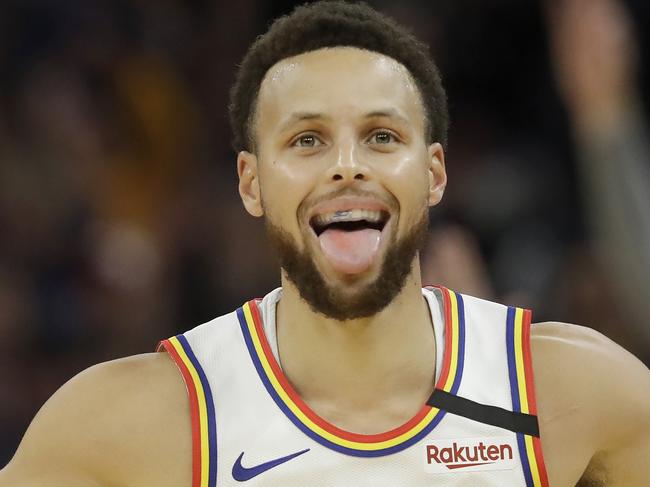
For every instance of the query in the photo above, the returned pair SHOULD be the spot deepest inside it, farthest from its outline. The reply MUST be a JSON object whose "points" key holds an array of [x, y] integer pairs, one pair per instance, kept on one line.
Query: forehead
{"points": [[337, 81]]}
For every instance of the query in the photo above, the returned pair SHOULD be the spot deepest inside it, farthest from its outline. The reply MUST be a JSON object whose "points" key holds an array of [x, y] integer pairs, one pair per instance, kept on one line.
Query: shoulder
{"points": [[146, 371], [578, 368], [114, 421]]}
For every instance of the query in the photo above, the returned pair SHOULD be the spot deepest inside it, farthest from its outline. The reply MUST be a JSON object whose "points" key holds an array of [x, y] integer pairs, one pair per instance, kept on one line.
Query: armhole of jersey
{"points": [[201, 410], [530, 389], [522, 387]]}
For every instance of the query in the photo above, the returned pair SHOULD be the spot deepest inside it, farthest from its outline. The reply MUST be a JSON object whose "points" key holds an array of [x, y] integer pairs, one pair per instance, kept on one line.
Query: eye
{"points": [[382, 137], [306, 140]]}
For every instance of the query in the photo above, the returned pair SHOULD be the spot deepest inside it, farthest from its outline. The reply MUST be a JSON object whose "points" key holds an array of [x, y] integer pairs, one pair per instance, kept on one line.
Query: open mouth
{"points": [[349, 221], [350, 239]]}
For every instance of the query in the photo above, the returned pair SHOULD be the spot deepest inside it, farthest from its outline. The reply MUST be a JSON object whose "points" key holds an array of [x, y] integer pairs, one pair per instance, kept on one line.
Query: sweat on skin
{"points": [[341, 123]]}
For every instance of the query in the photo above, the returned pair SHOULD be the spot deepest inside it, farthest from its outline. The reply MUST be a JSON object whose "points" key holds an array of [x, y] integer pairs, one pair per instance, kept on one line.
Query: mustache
{"points": [[348, 191], [330, 301]]}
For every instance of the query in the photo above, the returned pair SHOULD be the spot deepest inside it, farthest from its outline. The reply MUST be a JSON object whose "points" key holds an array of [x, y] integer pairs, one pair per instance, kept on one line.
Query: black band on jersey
{"points": [[496, 416]]}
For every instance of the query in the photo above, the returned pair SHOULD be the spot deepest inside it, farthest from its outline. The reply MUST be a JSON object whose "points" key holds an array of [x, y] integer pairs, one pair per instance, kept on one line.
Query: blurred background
{"points": [[120, 222]]}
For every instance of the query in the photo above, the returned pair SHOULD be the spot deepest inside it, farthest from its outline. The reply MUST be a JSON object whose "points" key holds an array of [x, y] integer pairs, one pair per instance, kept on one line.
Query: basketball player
{"points": [[351, 374]]}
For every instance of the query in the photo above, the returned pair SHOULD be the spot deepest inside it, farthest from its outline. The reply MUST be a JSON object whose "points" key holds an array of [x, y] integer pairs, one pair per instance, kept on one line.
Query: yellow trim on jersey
{"points": [[203, 414], [279, 389]]}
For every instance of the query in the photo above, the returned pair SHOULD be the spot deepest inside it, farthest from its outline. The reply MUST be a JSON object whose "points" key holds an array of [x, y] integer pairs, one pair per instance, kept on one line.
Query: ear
{"points": [[249, 183], [437, 173]]}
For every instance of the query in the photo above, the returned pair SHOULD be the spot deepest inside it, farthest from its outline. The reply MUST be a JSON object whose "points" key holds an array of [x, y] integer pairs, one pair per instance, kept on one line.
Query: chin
{"points": [[348, 296]]}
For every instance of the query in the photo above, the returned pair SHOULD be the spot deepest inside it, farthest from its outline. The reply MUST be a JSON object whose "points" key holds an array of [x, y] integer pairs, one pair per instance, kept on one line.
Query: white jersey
{"points": [[478, 428]]}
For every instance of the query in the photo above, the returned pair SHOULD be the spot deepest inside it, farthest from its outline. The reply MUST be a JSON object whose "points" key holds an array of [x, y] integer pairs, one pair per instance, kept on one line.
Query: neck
{"points": [[347, 366]]}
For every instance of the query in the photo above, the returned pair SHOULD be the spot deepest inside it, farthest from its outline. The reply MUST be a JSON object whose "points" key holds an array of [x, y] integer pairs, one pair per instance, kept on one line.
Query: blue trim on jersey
{"points": [[514, 391], [315, 436], [512, 365], [210, 411], [461, 343], [521, 443]]}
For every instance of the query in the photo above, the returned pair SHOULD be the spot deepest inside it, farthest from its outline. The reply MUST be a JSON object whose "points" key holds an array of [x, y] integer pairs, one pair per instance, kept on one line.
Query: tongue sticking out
{"points": [[350, 252]]}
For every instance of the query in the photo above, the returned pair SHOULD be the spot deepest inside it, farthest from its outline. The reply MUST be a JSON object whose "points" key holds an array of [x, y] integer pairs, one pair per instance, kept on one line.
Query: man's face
{"points": [[344, 176]]}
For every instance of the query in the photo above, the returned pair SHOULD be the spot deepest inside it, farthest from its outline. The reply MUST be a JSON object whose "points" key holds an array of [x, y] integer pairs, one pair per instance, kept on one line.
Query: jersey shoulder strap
{"points": [[496, 386]]}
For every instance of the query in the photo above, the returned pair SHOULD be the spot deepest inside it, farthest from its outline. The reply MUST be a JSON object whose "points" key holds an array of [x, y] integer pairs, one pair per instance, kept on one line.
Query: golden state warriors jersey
{"points": [[478, 428]]}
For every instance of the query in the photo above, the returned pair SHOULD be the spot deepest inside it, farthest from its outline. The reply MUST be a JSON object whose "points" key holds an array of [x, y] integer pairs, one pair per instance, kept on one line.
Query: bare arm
{"points": [[600, 394], [120, 423], [622, 406]]}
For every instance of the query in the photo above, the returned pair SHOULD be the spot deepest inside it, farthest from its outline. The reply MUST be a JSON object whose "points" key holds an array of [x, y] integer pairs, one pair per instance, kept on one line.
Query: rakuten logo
{"points": [[471, 454]]}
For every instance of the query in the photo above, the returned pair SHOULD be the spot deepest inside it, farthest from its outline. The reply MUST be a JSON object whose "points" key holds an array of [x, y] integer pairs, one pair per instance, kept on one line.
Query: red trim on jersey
{"points": [[530, 392], [448, 338], [528, 367], [194, 411], [307, 411]]}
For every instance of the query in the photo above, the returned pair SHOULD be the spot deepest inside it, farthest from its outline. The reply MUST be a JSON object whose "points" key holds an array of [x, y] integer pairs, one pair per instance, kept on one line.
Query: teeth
{"points": [[348, 216]]}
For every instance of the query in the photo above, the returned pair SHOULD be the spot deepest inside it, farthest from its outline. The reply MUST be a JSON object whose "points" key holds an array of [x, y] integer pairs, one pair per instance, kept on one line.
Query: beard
{"points": [[331, 300]]}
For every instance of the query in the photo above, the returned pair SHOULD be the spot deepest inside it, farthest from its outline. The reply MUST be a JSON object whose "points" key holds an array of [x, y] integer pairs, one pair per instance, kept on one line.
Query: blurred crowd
{"points": [[120, 222]]}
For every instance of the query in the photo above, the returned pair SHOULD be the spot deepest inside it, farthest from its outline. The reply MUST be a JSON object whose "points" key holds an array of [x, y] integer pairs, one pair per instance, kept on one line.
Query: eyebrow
{"points": [[388, 113], [302, 116]]}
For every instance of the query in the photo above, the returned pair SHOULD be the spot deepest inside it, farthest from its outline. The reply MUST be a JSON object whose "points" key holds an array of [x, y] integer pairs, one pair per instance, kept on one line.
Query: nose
{"points": [[347, 166]]}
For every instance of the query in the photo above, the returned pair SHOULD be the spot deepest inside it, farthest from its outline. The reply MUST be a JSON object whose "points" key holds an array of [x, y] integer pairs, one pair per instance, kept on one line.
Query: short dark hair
{"points": [[329, 24]]}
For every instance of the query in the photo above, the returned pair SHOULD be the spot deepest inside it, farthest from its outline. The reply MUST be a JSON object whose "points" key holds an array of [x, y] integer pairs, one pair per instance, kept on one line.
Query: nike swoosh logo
{"points": [[242, 474]]}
